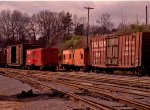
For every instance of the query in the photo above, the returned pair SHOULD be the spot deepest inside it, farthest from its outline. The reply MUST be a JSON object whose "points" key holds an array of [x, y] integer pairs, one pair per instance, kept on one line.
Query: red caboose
{"points": [[44, 58]]}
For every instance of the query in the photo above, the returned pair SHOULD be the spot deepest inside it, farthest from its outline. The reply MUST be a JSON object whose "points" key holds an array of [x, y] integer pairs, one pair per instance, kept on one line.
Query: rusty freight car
{"points": [[43, 58], [75, 59], [16, 54], [3, 58], [129, 52]]}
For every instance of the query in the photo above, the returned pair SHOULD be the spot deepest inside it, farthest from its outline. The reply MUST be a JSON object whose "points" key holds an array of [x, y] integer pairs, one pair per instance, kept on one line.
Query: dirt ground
{"points": [[42, 100]]}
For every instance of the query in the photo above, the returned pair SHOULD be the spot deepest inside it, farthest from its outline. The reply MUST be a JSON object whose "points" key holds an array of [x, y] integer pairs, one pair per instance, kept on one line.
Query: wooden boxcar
{"points": [[3, 58], [16, 54], [75, 59], [130, 52], [44, 58]]}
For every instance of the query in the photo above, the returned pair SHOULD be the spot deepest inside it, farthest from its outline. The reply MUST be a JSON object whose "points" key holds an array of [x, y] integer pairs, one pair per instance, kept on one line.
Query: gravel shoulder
{"points": [[9, 88]]}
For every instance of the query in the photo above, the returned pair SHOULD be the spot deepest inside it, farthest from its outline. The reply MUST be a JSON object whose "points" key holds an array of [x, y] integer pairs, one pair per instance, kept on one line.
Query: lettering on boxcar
{"points": [[99, 44]]}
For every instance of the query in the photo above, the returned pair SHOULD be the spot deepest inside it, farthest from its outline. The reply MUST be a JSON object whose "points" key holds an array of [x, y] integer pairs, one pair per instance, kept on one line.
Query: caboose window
{"points": [[70, 56], [64, 56], [81, 56], [73, 56]]}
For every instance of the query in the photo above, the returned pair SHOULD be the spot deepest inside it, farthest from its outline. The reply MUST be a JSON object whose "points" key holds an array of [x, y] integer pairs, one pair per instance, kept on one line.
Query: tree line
{"points": [[17, 27], [47, 28]]}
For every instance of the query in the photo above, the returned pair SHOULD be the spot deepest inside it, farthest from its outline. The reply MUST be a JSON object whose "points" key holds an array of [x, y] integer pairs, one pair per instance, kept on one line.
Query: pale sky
{"points": [[130, 9]]}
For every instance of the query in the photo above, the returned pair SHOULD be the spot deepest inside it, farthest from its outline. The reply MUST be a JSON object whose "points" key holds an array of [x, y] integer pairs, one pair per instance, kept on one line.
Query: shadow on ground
{"points": [[33, 97]]}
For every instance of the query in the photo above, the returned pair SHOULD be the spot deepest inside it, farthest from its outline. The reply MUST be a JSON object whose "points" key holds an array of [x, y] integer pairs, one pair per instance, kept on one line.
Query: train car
{"points": [[75, 59], [3, 58], [129, 52], [44, 58], [16, 54]]}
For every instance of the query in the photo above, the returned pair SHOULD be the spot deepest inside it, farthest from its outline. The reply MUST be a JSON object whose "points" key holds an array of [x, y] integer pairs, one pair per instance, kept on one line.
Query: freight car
{"points": [[43, 58], [3, 58], [16, 54], [75, 59], [127, 52]]}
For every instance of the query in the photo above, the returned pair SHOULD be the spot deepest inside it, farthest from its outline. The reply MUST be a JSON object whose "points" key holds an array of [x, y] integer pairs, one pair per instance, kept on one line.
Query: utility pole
{"points": [[88, 8], [88, 52], [146, 16]]}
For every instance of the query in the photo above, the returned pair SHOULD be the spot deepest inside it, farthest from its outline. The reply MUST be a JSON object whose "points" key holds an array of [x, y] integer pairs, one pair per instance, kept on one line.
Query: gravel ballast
{"points": [[9, 88]]}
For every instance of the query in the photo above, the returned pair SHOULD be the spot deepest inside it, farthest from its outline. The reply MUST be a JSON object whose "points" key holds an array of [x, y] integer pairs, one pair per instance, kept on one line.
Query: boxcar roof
{"points": [[113, 35]]}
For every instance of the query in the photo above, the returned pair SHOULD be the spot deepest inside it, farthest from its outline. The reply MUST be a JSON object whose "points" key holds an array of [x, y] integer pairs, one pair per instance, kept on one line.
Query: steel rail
{"points": [[136, 104], [105, 78], [91, 104], [97, 90], [134, 90]]}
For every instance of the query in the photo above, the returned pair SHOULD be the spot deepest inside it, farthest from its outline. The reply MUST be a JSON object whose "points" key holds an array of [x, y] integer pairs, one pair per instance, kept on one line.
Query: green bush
{"points": [[74, 42]]}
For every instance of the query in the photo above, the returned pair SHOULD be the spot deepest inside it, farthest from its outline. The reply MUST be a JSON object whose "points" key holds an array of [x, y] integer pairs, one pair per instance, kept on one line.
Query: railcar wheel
{"points": [[41, 68], [6, 66], [29, 67], [25, 67], [97, 70], [53, 68]]}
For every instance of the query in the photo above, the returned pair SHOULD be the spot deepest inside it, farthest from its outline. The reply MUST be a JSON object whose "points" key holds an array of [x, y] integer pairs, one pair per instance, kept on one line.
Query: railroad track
{"points": [[95, 77], [89, 103], [142, 91], [97, 90], [75, 84], [99, 78], [114, 88], [92, 89], [102, 77]]}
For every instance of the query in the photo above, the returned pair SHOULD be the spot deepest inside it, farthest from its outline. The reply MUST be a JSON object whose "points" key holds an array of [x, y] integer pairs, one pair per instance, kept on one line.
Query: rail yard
{"points": [[76, 55], [84, 91]]}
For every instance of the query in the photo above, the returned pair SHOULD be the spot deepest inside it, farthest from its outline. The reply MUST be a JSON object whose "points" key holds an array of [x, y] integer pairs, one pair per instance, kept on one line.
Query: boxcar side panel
{"points": [[130, 51], [121, 51], [98, 51], [3, 57], [8, 54], [37, 57], [29, 57], [49, 56], [68, 57], [79, 57]]}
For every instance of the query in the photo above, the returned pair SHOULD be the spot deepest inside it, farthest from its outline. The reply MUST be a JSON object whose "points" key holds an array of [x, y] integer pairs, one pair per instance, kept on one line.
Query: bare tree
{"points": [[44, 21], [138, 19], [75, 20], [33, 29], [5, 25], [123, 24], [13, 26], [50, 25], [105, 23], [21, 22], [58, 29]]}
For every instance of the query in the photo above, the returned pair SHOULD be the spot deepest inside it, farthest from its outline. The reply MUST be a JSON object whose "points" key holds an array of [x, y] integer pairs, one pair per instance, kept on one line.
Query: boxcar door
{"points": [[111, 51], [13, 54]]}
